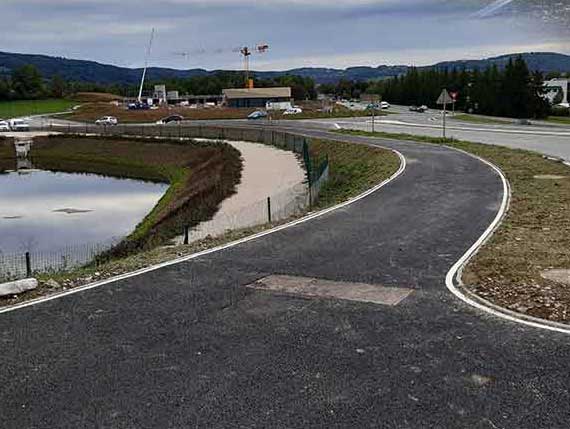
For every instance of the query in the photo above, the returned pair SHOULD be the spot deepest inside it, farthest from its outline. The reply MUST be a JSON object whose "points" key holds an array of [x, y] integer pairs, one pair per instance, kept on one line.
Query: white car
{"points": [[293, 111], [384, 105], [107, 120], [18, 125], [4, 126]]}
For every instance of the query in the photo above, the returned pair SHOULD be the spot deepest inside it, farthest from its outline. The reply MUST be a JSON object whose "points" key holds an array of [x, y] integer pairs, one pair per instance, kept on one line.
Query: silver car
{"points": [[107, 120]]}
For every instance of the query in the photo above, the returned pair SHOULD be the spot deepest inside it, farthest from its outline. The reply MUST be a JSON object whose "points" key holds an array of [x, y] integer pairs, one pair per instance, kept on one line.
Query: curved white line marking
{"points": [[308, 218], [455, 271]]}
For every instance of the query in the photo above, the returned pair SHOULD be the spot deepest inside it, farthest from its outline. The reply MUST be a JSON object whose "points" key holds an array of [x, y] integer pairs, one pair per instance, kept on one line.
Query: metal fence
{"points": [[269, 209], [19, 265]]}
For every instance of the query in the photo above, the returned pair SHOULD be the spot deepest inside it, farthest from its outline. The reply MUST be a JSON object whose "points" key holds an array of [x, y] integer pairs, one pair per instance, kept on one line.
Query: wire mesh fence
{"points": [[19, 265], [274, 208]]}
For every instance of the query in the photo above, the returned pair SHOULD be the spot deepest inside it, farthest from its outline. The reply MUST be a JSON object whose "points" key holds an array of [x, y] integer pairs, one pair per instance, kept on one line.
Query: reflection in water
{"points": [[43, 210]]}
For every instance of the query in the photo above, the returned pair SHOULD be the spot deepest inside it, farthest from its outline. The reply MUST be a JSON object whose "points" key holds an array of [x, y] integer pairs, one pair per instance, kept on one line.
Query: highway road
{"points": [[190, 345], [548, 139]]}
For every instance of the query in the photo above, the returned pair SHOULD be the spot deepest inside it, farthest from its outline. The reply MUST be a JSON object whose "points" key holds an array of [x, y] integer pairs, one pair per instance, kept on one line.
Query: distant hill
{"points": [[90, 71]]}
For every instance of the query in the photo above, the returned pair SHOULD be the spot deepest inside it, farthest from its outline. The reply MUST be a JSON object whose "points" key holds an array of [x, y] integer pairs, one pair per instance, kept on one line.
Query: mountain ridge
{"points": [[92, 71]]}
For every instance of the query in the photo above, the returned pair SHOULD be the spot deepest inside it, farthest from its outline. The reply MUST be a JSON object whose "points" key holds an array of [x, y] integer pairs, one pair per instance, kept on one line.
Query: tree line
{"points": [[27, 83], [513, 91]]}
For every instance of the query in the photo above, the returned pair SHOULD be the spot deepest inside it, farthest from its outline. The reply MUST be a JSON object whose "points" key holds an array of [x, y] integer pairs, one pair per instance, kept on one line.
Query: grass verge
{"points": [[535, 235], [12, 109], [354, 169], [479, 119], [562, 120]]}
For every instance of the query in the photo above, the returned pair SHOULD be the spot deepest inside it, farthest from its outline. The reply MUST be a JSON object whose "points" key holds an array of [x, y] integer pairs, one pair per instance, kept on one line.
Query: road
{"points": [[190, 345], [548, 139]]}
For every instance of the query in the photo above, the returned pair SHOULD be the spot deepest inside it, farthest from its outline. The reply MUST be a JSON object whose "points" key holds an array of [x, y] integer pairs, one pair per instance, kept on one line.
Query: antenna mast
{"points": [[139, 98]]}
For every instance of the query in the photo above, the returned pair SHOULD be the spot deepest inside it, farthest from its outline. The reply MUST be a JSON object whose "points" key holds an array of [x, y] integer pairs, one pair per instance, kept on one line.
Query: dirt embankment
{"points": [[201, 175], [7, 154], [93, 111]]}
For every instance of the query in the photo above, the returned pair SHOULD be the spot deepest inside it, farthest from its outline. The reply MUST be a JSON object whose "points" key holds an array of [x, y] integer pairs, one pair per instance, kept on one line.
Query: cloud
{"points": [[297, 30]]}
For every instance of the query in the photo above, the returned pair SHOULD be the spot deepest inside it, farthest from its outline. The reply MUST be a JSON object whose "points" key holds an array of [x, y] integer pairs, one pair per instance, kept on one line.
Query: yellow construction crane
{"points": [[246, 52]]}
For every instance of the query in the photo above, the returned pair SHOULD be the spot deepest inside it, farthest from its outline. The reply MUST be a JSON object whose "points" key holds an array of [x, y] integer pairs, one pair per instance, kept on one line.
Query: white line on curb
{"points": [[215, 249]]}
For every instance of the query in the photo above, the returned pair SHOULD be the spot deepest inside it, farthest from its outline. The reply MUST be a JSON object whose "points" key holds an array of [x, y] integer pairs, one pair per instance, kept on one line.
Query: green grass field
{"points": [[13, 109]]}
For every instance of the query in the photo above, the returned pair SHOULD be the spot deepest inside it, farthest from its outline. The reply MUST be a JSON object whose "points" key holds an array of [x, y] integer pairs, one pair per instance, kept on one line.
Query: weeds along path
{"points": [[191, 345]]}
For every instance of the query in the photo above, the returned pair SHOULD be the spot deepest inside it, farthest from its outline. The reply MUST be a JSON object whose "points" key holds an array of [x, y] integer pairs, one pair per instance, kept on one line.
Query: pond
{"points": [[43, 211]]}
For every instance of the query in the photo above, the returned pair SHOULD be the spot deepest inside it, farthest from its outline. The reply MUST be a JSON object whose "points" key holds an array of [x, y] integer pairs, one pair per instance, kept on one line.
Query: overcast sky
{"points": [[327, 33]]}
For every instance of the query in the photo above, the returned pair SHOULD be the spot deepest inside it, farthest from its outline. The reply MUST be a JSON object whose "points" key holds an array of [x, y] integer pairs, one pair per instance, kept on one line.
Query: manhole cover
{"points": [[318, 288]]}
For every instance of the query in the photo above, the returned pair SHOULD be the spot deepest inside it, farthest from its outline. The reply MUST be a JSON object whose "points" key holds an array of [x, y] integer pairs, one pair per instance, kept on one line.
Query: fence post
{"points": [[28, 265], [269, 209], [186, 234]]}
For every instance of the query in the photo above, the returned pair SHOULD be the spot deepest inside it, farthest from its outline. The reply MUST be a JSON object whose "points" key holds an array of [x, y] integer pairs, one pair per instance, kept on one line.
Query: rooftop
{"points": [[283, 92]]}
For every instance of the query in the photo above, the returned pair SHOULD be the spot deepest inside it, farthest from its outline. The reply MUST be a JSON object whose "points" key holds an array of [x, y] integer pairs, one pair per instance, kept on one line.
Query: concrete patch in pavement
{"points": [[318, 288]]}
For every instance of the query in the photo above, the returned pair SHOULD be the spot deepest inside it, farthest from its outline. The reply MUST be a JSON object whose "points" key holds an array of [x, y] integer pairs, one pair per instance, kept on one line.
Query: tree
{"points": [[58, 87], [27, 82]]}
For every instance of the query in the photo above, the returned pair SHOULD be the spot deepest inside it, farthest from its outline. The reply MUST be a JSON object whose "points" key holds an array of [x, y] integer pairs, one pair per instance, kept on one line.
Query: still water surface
{"points": [[47, 211]]}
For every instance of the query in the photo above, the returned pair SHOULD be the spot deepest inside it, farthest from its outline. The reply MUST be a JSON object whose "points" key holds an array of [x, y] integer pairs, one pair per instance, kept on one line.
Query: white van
{"points": [[18, 125]]}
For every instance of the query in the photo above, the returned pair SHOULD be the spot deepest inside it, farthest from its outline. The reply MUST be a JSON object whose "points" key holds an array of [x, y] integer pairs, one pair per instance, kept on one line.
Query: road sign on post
{"points": [[454, 97], [444, 99]]}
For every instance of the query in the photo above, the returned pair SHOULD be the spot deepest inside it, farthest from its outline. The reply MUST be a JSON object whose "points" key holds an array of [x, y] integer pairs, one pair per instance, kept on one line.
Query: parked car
{"points": [[423, 108], [138, 106], [373, 106], [419, 109], [107, 121], [384, 105], [18, 125], [293, 111], [258, 114], [4, 126], [169, 119]]}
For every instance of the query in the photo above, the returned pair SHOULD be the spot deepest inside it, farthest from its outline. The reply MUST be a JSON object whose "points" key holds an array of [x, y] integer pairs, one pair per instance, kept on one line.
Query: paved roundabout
{"points": [[191, 345]]}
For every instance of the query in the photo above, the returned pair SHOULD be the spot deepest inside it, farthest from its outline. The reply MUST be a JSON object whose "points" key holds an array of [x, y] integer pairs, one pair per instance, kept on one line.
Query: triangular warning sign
{"points": [[444, 98]]}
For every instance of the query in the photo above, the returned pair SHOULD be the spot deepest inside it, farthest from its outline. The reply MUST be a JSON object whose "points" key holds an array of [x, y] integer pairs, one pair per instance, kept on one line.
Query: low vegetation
{"points": [[562, 120], [353, 169], [12, 109], [535, 235], [480, 119]]}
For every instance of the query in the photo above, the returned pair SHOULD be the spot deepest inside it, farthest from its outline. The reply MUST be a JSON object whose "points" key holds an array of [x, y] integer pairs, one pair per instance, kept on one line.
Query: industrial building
{"points": [[257, 97]]}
